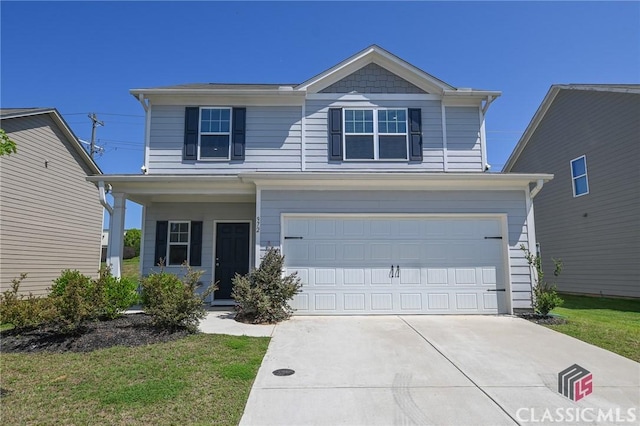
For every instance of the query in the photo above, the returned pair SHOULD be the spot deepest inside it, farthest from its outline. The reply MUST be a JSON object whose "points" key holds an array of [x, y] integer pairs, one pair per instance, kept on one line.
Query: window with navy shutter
{"points": [[377, 134], [178, 242], [214, 133]]}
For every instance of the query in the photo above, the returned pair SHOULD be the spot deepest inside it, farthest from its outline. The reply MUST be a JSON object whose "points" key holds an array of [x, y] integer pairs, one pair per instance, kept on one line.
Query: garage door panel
{"points": [[445, 265]]}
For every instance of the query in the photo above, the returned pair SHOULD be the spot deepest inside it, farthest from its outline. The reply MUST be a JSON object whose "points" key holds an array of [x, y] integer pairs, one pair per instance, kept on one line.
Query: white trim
{"points": [[147, 136], [258, 240], [506, 256], [445, 159], [376, 134], [229, 133], [142, 240], [501, 217], [381, 57], [215, 243], [531, 238], [483, 140], [574, 178], [372, 97], [303, 138], [169, 243]]}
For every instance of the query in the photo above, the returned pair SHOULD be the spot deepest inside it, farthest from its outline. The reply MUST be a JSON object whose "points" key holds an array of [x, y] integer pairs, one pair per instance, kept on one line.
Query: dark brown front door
{"points": [[232, 255]]}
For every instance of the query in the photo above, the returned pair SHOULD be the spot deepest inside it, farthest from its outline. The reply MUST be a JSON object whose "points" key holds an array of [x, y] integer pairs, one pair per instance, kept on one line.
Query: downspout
{"points": [[103, 197], [109, 209], [536, 188]]}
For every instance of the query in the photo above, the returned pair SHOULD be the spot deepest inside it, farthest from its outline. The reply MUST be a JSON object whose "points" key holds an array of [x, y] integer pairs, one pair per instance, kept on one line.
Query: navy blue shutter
{"points": [[162, 230], [335, 134], [191, 119], [415, 134], [238, 133], [195, 251]]}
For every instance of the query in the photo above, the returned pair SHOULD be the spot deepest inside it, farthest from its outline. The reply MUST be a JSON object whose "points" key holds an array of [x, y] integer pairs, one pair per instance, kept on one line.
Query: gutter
{"points": [[537, 188]]}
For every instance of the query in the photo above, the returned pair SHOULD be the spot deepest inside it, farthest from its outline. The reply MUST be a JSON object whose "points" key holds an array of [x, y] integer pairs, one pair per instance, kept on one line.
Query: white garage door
{"points": [[354, 265]]}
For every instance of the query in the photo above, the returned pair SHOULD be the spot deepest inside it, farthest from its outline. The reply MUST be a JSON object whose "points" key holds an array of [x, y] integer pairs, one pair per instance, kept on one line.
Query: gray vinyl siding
{"points": [[464, 151], [316, 137], [596, 235], [276, 202], [205, 212], [372, 78], [50, 216], [272, 142]]}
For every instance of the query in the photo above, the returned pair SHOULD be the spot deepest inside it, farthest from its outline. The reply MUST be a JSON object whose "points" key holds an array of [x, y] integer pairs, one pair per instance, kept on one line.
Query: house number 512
{"points": [[257, 224]]}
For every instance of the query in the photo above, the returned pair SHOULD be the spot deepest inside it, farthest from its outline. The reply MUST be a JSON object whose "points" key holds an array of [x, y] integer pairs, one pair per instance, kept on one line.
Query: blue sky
{"points": [[83, 57]]}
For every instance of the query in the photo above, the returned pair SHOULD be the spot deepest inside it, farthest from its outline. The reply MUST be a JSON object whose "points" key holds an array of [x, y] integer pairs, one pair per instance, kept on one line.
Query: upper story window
{"points": [[178, 247], [215, 133], [375, 134], [579, 176]]}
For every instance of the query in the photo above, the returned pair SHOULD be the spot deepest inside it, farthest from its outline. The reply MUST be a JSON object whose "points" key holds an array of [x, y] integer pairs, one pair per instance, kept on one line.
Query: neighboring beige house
{"points": [[50, 216]]}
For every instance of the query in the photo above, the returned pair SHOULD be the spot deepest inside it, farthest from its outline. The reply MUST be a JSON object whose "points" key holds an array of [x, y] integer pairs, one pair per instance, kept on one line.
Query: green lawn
{"points": [[612, 324], [202, 379], [131, 268]]}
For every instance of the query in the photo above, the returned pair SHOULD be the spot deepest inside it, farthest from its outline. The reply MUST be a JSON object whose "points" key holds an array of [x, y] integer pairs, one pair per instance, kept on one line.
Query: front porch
{"points": [[207, 221]]}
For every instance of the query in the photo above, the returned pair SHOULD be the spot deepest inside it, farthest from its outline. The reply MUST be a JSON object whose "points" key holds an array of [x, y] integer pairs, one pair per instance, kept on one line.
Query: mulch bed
{"points": [[129, 330], [543, 319]]}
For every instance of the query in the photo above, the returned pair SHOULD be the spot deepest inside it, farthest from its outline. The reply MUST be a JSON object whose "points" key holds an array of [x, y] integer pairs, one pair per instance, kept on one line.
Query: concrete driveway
{"points": [[440, 370]]}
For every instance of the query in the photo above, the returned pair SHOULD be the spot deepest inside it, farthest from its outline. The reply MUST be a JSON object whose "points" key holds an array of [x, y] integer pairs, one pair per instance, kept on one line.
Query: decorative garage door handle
{"points": [[397, 271], [391, 272], [496, 289]]}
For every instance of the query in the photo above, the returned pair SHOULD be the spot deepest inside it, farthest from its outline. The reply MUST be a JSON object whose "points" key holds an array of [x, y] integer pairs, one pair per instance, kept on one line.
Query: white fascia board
{"points": [[399, 181], [374, 96], [239, 99], [531, 128], [381, 57], [215, 92]]}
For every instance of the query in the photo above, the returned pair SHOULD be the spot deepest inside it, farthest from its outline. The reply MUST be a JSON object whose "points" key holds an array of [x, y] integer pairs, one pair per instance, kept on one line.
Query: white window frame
{"points": [[376, 135], [169, 243], [574, 178], [201, 133]]}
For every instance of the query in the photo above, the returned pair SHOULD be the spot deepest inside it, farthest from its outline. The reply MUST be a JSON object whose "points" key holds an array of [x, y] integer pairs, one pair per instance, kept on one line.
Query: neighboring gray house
{"points": [[50, 216], [369, 176], [588, 136]]}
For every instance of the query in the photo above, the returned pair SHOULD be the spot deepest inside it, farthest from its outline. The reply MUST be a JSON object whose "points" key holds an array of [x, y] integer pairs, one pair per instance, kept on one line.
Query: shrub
{"points": [[263, 295], [24, 312], [544, 295], [172, 302], [114, 295], [75, 297]]}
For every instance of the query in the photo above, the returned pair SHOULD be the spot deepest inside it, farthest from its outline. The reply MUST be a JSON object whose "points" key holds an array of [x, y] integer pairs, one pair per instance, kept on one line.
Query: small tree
{"points": [[132, 239], [263, 295], [544, 295], [7, 146]]}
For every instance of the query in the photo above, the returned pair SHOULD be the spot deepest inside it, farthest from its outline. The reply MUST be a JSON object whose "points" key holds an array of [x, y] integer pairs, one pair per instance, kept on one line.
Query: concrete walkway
{"points": [[432, 370], [221, 321]]}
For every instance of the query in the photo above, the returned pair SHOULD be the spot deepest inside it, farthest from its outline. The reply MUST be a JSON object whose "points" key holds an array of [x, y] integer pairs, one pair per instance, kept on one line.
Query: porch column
{"points": [[116, 234]]}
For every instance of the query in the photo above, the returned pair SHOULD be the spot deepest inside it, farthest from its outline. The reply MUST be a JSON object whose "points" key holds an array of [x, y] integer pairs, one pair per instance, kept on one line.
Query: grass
{"points": [[131, 268], [612, 324], [202, 379]]}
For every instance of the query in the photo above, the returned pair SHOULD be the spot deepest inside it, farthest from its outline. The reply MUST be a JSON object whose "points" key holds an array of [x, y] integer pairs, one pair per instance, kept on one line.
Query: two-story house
{"points": [[588, 136], [370, 176]]}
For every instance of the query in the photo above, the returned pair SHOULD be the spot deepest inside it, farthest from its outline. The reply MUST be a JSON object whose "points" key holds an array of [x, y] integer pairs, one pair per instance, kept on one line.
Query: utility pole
{"points": [[94, 123]]}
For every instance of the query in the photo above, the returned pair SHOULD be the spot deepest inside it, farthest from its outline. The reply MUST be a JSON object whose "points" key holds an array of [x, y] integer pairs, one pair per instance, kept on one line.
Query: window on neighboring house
{"points": [[178, 247], [579, 176], [215, 133], [375, 134]]}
